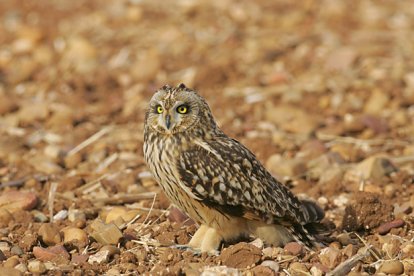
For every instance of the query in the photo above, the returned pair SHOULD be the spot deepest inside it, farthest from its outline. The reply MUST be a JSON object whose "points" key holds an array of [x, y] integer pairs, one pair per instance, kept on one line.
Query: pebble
{"points": [[344, 239], [105, 233], [6, 104], [80, 54], [282, 167], [36, 267], [50, 253], [50, 234], [294, 248], [16, 250], [8, 271], [2, 256], [4, 246], [298, 269], [33, 111], [75, 214], [340, 59], [99, 257], [115, 215], [72, 160], [271, 264], [330, 257], [72, 233], [11, 262], [39, 216], [61, 215], [21, 267], [79, 259], [112, 250], [386, 227], [13, 201], [258, 243], [392, 267], [374, 168], [5, 217]]}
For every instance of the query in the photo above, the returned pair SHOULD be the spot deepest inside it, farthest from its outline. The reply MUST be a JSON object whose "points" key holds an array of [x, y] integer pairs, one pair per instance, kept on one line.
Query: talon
{"points": [[185, 247]]}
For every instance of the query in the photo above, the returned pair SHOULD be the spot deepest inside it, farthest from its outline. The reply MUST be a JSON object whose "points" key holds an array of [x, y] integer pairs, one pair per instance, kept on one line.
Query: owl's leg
{"points": [[274, 234], [211, 241], [198, 237]]}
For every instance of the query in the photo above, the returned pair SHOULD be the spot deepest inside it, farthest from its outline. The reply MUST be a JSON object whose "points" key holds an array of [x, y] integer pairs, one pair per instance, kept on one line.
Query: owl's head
{"points": [[177, 109]]}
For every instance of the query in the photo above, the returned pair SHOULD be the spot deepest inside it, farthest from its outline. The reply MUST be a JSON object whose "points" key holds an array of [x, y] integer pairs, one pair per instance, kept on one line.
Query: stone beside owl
{"points": [[215, 179]]}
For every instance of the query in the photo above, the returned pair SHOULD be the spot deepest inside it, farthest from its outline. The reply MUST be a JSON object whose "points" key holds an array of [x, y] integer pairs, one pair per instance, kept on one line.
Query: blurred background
{"points": [[321, 90]]}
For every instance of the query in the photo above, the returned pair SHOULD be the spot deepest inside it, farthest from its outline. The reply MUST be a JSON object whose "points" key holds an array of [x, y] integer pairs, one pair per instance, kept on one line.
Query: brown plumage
{"points": [[215, 179]]}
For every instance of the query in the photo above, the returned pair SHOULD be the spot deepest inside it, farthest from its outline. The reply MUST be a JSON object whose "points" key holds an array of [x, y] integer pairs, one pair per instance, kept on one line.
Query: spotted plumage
{"points": [[216, 180]]}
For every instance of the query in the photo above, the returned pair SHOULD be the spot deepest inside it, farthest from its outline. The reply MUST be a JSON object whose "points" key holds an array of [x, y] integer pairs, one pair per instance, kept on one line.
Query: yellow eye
{"points": [[160, 109], [182, 109]]}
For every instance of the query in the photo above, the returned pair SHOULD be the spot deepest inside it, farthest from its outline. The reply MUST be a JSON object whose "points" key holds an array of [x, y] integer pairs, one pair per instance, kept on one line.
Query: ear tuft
{"points": [[181, 86], [166, 87]]}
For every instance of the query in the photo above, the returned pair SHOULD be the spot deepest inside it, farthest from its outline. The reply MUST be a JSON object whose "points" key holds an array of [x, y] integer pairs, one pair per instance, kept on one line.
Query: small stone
{"points": [[6, 104], [39, 216], [72, 160], [113, 271], [105, 233], [298, 269], [258, 243], [345, 239], [16, 250], [99, 257], [377, 102], [374, 168], [61, 215], [316, 271], [112, 250], [51, 253], [386, 227], [2, 256], [13, 201], [294, 248], [240, 255], [11, 262], [10, 271], [341, 59], [36, 267], [50, 234], [4, 246], [281, 167], [21, 267], [271, 264], [5, 217], [75, 214], [80, 54], [330, 257], [71, 234], [115, 215], [389, 190], [79, 259], [33, 111], [392, 267]]}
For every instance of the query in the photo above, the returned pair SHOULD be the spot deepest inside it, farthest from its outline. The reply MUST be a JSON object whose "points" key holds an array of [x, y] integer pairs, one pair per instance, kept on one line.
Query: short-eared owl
{"points": [[216, 180]]}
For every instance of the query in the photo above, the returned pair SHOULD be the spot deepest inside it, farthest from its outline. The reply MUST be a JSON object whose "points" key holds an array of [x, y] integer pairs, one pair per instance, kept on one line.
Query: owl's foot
{"points": [[195, 251]]}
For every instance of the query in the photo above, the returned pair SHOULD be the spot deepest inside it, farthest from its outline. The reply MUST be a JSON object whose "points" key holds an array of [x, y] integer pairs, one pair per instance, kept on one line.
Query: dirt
{"points": [[321, 91]]}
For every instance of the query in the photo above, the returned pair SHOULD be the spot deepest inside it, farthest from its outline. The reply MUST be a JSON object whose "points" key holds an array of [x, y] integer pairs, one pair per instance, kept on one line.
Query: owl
{"points": [[216, 180]]}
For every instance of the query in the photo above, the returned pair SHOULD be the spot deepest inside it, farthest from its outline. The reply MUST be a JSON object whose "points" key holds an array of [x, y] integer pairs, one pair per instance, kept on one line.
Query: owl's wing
{"points": [[225, 175]]}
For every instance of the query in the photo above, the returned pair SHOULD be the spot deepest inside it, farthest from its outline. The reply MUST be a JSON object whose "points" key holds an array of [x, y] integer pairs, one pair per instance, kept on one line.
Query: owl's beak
{"points": [[168, 121]]}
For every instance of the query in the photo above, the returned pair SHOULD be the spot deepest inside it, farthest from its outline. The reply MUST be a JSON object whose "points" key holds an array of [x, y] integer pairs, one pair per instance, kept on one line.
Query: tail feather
{"points": [[315, 213], [301, 235]]}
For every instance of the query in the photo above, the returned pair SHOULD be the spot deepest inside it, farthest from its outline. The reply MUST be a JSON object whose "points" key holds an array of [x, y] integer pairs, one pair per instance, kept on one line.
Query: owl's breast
{"points": [[162, 156]]}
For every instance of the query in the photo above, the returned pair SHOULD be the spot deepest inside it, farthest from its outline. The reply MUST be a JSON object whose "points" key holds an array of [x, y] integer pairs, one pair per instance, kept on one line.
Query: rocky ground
{"points": [[321, 91]]}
